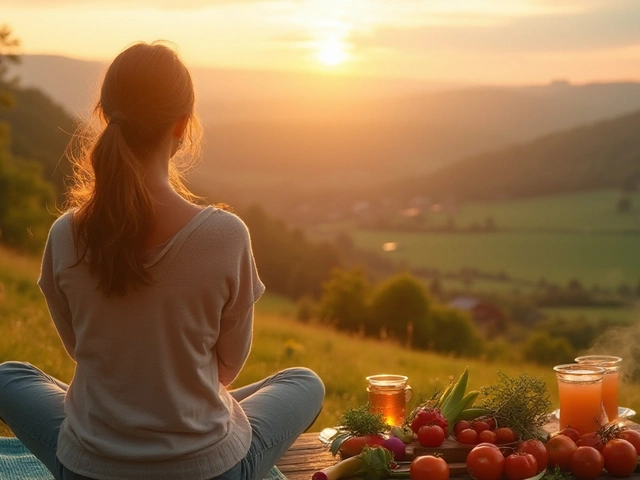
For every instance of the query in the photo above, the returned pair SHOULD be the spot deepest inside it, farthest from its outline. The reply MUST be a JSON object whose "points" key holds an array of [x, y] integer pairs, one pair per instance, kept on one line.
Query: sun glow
{"points": [[332, 52]]}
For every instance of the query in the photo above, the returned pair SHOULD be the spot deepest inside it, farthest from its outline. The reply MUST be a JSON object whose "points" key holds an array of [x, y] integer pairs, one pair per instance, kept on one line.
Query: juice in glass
{"points": [[611, 365], [388, 395], [580, 393]]}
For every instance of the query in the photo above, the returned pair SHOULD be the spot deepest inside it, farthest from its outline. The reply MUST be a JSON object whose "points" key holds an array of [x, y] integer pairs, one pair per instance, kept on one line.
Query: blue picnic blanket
{"points": [[17, 463]]}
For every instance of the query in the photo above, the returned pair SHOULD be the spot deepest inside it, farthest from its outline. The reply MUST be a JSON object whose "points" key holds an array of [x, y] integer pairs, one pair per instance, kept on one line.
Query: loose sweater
{"points": [[148, 397]]}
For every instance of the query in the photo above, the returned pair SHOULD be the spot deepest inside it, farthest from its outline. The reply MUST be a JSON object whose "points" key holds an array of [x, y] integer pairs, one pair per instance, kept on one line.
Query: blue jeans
{"points": [[279, 409]]}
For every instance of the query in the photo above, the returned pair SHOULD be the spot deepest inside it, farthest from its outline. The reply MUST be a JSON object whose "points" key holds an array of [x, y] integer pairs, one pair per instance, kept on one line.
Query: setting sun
{"points": [[332, 52]]}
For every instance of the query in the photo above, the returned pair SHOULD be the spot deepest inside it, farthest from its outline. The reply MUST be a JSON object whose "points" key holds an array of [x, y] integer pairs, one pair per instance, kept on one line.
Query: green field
{"points": [[342, 361], [603, 259], [620, 316], [556, 238], [581, 211]]}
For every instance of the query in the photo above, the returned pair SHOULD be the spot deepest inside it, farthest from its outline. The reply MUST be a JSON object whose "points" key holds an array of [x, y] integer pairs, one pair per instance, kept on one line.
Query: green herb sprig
{"points": [[520, 403], [360, 421]]}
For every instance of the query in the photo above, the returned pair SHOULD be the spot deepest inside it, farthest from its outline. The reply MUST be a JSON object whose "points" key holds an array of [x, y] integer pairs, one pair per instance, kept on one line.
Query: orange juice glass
{"points": [[580, 393], [388, 395], [611, 365]]}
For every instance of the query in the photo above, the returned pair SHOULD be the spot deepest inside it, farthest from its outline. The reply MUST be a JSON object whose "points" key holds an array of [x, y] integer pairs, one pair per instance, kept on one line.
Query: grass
{"points": [[603, 259], [342, 361]]}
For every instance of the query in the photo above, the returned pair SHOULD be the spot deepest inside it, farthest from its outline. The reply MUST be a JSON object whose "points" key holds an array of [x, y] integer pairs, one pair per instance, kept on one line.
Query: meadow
{"points": [[342, 361], [556, 238]]}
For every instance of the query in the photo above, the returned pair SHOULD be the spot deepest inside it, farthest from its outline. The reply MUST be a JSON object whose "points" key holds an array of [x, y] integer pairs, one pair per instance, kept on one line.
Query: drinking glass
{"points": [[580, 393], [611, 365], [388, 395]]}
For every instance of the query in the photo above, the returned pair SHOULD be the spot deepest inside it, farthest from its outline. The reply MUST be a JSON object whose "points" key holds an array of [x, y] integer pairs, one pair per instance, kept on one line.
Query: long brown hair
{"points": [[145, 91]]}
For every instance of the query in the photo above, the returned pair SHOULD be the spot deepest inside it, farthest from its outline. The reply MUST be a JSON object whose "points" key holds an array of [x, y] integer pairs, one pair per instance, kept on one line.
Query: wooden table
{"points": [[307, 455]]}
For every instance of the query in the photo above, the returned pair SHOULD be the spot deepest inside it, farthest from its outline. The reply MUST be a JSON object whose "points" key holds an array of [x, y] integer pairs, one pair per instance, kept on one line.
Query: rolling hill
{"points": [[602, 155], [302, 131]]}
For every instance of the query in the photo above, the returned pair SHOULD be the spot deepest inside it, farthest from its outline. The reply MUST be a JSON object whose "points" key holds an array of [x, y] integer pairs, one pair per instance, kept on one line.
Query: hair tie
{"points": [[118, 118]]}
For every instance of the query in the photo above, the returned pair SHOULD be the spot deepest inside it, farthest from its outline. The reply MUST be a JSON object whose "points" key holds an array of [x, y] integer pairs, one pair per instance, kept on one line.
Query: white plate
{"points": [[623, 412]]}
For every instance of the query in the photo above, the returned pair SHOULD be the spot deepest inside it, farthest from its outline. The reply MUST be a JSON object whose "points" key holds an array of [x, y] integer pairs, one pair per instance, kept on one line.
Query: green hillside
{"points": [[342, 361], [602, 155], [40, 130]]}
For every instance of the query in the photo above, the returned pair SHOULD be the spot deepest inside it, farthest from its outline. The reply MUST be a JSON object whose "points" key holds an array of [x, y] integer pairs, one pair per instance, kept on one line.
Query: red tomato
{"points": [[353, 446], [538, 450], [620, 457], [431, 436], [505, 435], [520, 465], [491, 422], [590, 440], [468, 436], [560, 449], [586, 463], [570, 432], [631, 436], [480, 426], [487, 444], [461, 425], [428, 467], [487, 436], [485, 463]]}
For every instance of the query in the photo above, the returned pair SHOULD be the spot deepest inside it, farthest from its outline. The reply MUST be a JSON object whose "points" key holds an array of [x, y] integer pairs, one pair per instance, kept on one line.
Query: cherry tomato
{"points": [[480, 426], [620, 457], [505, 435], [428, 467], [586, 463], [431, 436], [560, 449], [570, 432], [468, 436], [485, 463], [590, 440], [353, 446], [491, 422], [487, 436], [520, 465], [461, 425], [538, 450], [631, 436]]}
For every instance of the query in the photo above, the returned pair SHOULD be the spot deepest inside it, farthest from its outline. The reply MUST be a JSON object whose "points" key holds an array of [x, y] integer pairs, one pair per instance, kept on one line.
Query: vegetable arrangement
{"points": [[504, 434]]}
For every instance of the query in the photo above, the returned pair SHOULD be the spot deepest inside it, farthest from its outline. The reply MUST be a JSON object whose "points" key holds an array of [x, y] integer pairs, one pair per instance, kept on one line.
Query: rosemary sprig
{"points": [[520, 403]]}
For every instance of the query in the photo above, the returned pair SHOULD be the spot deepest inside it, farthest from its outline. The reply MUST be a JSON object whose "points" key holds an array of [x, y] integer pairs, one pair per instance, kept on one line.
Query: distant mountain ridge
{"points": [[602, 155], [271, 131]]}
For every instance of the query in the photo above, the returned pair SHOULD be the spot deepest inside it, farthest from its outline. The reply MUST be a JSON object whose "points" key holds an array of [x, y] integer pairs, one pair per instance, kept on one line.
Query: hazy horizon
{"points": [[484, 42]]}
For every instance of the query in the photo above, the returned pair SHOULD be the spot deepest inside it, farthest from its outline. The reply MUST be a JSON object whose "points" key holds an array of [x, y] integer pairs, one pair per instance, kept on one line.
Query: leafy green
{"points": [[557, 474], [376, 464]]}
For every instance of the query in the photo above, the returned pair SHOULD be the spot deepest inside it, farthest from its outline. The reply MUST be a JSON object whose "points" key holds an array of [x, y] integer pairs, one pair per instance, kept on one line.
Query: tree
{"points": [[345, 298], [399, 305], [8, 46], [543, 349], [455, 332], [24, 194]]}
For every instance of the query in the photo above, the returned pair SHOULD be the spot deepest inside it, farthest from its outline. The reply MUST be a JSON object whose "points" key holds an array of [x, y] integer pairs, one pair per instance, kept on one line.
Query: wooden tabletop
{"points": [[308, 455]]}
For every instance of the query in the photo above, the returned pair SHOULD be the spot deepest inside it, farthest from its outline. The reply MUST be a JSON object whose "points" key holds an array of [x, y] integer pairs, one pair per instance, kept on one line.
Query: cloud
{"points": [[611, 25]]}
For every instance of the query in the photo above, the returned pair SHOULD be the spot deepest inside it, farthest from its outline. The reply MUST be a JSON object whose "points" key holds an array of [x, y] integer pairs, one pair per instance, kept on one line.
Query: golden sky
{"points": [[471, 41]]}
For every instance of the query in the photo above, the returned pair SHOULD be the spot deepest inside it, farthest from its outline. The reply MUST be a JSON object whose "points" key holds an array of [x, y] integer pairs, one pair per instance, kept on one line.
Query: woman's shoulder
{"points": [[227, 221], [62, 226]]}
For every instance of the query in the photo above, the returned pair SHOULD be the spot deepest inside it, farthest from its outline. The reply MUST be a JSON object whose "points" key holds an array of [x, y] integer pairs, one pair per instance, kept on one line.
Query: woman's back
{"points": [[149, 385]]}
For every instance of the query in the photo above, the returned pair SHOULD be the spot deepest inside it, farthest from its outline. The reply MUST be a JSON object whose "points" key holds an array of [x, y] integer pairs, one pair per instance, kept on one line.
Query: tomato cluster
{"points": [[585, 456], [483, 430], [487, 462]]}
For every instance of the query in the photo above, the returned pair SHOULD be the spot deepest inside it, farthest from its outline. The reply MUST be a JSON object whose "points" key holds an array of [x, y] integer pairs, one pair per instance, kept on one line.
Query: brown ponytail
{"points": [[146, 90]]}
